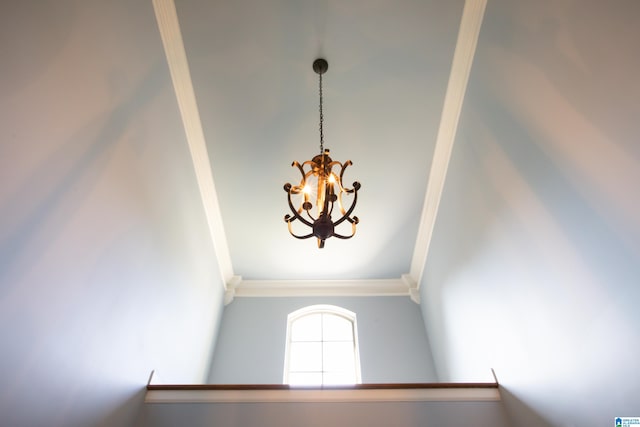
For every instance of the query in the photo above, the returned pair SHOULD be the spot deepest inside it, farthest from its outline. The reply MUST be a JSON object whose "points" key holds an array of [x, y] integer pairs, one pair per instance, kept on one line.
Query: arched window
{"points": [[322, 347]]}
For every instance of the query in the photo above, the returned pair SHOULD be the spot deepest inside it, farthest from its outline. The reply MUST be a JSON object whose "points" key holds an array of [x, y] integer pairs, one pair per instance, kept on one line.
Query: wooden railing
{"points": [[176, 393]]}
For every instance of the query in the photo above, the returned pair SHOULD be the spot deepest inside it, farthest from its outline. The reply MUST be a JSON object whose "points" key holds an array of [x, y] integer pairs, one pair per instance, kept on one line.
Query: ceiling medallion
{"points": [[320, 189]]}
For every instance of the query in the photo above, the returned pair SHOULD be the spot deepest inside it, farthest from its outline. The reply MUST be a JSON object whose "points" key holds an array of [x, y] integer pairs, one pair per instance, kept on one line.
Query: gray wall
{"points": [[370, 414], [106, 266], [392, 339], [534, 268]]}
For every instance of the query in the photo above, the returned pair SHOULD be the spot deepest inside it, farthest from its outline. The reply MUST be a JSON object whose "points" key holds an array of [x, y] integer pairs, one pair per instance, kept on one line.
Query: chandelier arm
{"points": [[303, 183], [296, 214], [306, 175], [311, 217], [327, 201], [344, 167], [300, 167], [308, 162], [340, 205], [339, 236], [306, 236], [353, 205], [353, 233], [353, 220], [334, 163], [336, 198], [338, 179], [331, 209]]}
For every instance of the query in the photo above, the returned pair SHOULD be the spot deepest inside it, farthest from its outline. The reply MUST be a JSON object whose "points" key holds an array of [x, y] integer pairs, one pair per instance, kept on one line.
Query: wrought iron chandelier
{"points": [[320, 189]]}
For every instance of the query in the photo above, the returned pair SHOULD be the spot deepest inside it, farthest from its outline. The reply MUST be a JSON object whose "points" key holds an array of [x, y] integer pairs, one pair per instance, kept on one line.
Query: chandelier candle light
{"points": [[320, 189]]}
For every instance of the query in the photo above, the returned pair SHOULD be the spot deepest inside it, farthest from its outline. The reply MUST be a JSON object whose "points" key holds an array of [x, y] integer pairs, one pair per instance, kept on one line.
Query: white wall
{"points": [[391, 333], [534, 268], [105, 260]]}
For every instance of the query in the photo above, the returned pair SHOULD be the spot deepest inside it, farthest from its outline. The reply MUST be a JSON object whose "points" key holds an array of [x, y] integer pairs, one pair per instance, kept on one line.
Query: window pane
{"points": [[336, 328], [322, 347], [338, 357], [305, 356], [307, 328], [305, 378]]}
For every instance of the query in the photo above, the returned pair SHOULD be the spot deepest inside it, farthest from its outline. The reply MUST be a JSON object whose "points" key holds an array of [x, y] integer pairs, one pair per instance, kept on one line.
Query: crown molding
{"points": [[317, 288]]}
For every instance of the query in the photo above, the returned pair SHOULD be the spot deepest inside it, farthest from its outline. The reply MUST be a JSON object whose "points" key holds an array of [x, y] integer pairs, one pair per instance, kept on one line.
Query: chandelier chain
{"points": [[321, 119]]}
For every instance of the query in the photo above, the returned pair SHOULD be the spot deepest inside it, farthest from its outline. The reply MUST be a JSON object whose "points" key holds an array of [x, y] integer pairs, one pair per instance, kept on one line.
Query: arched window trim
{"points": [[326, 309]]}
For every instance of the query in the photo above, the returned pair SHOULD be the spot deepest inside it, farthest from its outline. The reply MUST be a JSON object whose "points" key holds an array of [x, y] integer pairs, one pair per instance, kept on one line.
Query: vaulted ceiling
{"points": [[249, 102]]}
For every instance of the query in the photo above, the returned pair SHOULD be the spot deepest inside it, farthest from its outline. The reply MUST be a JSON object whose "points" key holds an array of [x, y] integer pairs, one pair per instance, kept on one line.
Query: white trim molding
{"points": [[315, 288], [459, 394], [414, 292], [472, 16], [169, 28], [230, 290]]}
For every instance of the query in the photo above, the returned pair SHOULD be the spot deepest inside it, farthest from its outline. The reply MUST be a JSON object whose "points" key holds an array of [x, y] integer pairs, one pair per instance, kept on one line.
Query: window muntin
{"points": [[322, 347]]}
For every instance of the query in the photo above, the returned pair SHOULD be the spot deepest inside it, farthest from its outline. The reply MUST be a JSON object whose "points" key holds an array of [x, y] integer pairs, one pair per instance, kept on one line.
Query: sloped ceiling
{"points": [[255, 110], [258, 99]]}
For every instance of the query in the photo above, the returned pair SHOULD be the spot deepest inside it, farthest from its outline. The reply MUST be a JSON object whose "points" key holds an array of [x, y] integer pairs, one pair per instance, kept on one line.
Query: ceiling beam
{"points": [[472, 16], [169, 27]]}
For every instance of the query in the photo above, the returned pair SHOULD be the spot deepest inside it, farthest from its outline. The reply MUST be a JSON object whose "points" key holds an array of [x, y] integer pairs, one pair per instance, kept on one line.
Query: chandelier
{"points": [[320, 190]]}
